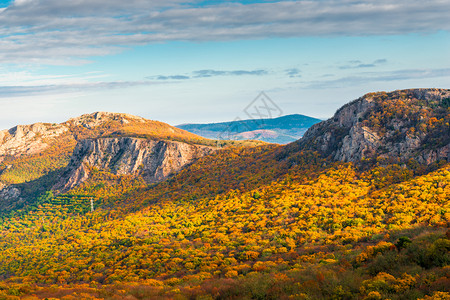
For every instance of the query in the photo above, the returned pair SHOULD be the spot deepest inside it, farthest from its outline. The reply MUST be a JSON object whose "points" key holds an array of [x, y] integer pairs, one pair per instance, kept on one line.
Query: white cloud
{"points": [[27, 78], [65, 32], [10, 91], [371, 77], [27, 84]]}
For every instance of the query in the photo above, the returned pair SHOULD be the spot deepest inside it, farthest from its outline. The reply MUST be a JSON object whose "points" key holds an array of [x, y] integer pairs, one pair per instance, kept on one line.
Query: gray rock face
{"points": [[360, 142], [341, 135], [344, 137], [154, 160], [29, 139], [9, 193], [32, 139], [9, 196], [98, 118]]}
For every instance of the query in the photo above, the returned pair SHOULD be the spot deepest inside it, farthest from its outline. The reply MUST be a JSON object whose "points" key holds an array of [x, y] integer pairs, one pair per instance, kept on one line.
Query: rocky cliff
{"points": [[399, 126], [120, 143], [29, 139], [99, 118], [154, 160], [35, 138]]}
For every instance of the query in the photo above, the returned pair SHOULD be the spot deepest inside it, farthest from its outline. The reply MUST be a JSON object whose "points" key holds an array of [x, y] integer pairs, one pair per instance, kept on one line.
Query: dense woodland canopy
{"points": [[247, 222]]}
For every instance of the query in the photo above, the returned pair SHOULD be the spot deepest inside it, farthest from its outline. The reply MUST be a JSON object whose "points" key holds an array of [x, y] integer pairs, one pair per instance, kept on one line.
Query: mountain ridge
{"points": [[395, 126], [31, 152], [281, 130], [33, 157], [399, 125]]}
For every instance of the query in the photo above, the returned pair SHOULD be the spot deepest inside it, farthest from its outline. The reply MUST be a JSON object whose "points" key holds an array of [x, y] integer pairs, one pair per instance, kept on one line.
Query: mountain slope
{"points": [[35, 158], [280, 130], [299, 234], [265, 222], [32, 141], [396, 126]]}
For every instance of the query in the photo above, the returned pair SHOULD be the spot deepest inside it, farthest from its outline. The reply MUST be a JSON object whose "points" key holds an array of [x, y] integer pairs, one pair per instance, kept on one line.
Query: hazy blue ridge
{"points": [[281, 130]]}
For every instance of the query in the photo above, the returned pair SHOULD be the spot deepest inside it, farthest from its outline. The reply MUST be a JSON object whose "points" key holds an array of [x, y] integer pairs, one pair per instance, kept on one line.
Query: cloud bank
{"points": [[210, 73], [54, 89], [368, 77], [356, 64], [66, 32]]}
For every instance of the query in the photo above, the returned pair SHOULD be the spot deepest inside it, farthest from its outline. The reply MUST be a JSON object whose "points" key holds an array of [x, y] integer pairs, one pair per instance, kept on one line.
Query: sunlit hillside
{"points": [[33, 157], [261, 222]]}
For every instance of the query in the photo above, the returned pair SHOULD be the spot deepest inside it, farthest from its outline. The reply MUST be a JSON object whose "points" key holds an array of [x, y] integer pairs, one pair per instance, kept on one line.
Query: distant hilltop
{"points": [[280, 130]]}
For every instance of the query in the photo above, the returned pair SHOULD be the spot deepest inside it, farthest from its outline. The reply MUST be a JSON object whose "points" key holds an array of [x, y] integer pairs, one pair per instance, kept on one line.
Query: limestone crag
{"points": [[99, 118], [152, 159], [10, 196], [29, 139], [32, 139], [346, 137]]}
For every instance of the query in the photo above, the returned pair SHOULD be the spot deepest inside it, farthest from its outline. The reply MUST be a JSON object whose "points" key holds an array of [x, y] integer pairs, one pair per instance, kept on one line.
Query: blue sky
{"points": [[205, 61]]}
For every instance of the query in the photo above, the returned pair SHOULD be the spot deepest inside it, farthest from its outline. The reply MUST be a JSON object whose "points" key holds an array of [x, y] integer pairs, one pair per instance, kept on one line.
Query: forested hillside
{"points": [[255, 222], [41, 157]]}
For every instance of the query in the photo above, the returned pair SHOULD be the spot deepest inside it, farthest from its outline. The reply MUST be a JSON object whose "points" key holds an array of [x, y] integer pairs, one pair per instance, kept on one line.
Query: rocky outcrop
{"points": [[29, 139], [9, 196], [350, 135], [99, 118], [35, 138], [114, 142], [152, 159], [9, 193]]}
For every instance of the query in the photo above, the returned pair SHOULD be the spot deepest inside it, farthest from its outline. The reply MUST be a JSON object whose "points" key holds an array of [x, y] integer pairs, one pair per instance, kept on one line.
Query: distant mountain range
{"points": [[280, 130]]}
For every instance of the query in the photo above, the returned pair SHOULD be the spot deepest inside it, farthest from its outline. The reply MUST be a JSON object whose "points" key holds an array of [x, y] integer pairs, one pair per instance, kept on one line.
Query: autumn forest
{"points": [[339, 214]]}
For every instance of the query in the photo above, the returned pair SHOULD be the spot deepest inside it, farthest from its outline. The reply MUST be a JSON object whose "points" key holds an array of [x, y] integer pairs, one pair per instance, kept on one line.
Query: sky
{"points": [[207, 61]]}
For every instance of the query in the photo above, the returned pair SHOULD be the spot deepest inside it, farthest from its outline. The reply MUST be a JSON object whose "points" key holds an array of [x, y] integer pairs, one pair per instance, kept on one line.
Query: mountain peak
{"points": [[101, 117], [399, 125]]}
